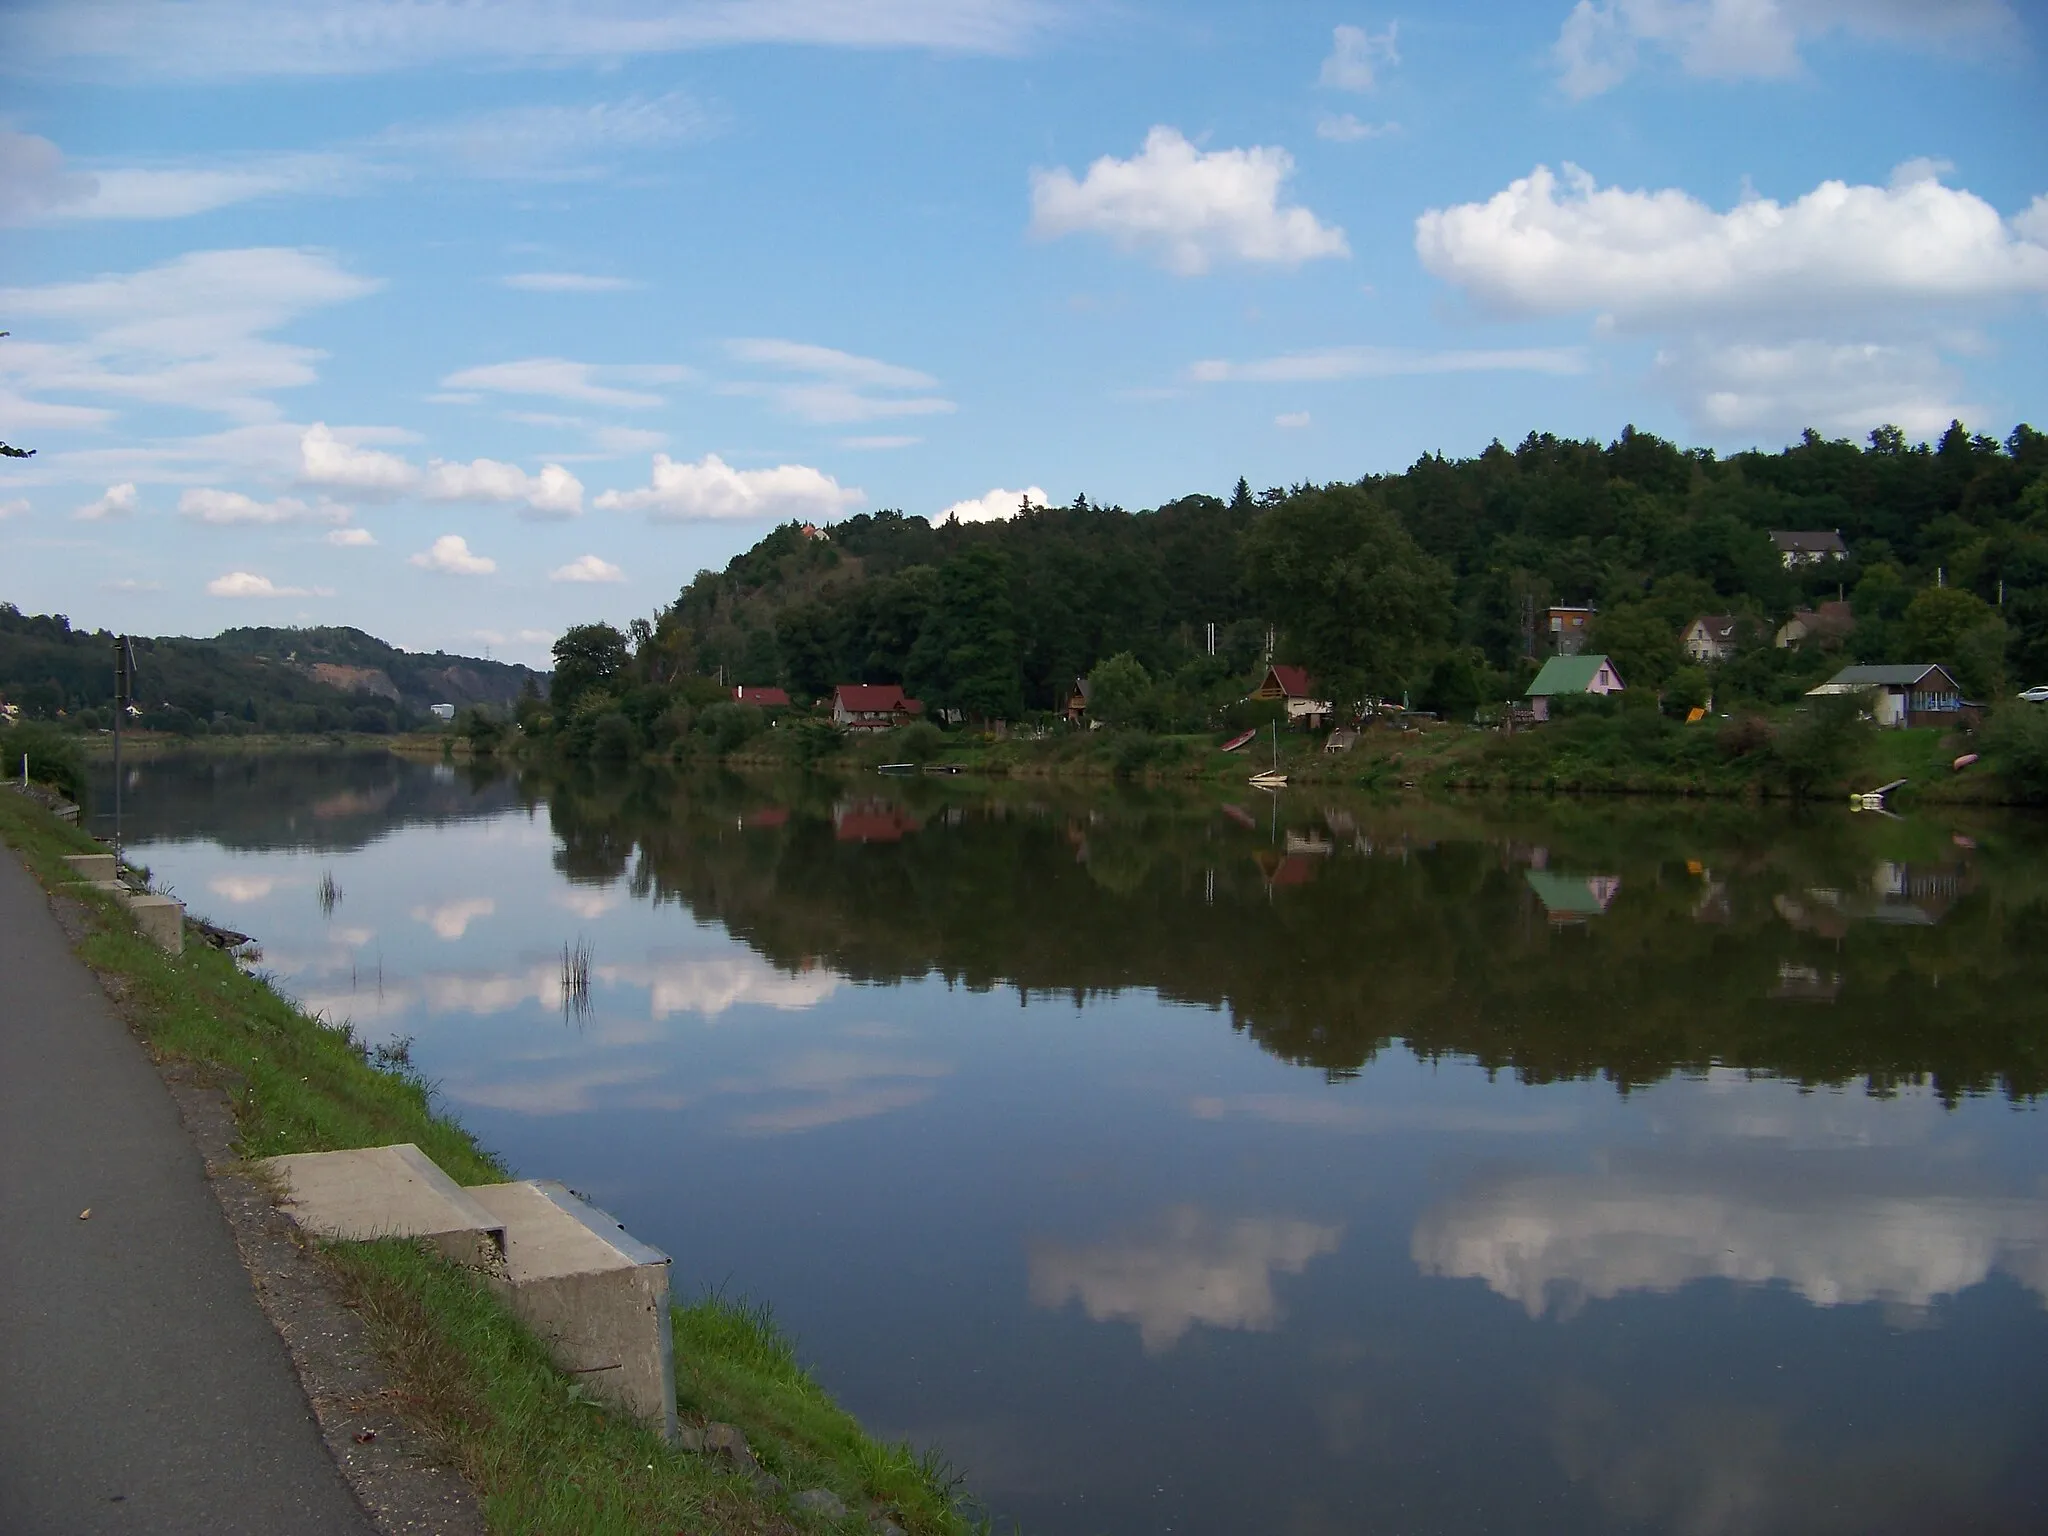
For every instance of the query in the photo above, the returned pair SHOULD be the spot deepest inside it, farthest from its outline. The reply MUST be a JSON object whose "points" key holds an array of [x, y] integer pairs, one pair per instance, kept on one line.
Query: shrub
{"points": [[1820, 747], [918, 742], [1742, 736], [730, 726], [2017, 741], [613, 738], [54, 758]]}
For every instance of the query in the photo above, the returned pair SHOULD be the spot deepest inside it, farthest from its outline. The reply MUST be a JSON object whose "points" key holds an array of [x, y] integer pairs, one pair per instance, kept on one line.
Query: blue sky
{"points": [[463, 323]]}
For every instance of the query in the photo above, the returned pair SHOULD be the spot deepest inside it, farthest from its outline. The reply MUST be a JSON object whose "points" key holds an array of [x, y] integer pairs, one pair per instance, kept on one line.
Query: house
{"points": [[441, 711], [1077, 700], [1812, 546], [1294, 685], [872, 821], [1568, 627], [1827, 626], [761, 698], [1571, 674], [1918, 693], [873, 706], [1715, 637]]}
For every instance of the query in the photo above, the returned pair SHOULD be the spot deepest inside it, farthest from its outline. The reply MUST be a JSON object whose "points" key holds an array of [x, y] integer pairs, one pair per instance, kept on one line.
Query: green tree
{"points": [[1120, 691], [1642, 643], [966, 656], [1356, 597], [587, 657]]}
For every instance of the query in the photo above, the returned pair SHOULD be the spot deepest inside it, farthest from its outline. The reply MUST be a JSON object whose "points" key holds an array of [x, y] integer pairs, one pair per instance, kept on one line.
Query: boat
{"points": [[1271, 778], [1237, 741], [1873, 799], [896, 768]]}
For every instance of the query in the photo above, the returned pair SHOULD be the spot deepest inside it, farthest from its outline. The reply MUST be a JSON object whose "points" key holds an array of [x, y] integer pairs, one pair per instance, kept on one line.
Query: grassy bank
{"points": [[540, 1457]]}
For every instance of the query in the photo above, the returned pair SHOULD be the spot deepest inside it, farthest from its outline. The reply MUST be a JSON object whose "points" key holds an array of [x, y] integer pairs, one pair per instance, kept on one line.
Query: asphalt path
{"points": [[141, 1386]]}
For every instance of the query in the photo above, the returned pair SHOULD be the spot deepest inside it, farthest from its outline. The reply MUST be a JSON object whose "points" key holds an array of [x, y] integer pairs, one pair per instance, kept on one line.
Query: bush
{"points": [[918, 742], [54, 758], [2017, 742], [1819, 748], [1742, 736], [1686, 692], [730, 726], [370, 720], [613, 738]]}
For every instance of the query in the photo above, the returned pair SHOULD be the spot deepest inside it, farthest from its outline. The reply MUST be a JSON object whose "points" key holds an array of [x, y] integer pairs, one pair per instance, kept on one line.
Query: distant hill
{"points": [[282, 680]]}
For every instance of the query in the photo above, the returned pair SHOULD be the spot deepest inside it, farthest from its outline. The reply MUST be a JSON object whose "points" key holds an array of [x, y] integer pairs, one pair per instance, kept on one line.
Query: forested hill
{"points": [[1421, 581], [258, 679]]}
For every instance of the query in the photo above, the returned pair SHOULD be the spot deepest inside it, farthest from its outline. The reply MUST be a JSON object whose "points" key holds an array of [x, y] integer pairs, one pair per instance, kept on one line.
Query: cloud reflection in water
{"points": [[1191, 1268]]}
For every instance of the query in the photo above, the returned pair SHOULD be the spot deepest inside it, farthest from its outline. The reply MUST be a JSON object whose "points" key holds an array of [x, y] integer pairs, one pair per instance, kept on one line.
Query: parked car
{"points": [[2036, 695]]}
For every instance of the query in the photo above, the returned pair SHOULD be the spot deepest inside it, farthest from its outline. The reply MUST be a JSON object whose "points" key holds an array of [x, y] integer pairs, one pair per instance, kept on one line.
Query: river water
{"points": [[1239, 1164]]}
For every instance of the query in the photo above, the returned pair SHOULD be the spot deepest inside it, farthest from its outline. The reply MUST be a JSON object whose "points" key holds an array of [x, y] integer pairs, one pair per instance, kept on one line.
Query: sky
{"points": [[465, 322]]}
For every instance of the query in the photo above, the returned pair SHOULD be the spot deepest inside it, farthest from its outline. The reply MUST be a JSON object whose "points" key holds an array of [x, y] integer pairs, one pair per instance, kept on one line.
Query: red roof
{"points": [[766, 698], [1293, 681], [872, 822], [874, 699]]}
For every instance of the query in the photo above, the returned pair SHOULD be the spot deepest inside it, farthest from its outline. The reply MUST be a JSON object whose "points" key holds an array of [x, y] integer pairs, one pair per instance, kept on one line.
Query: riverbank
{"points": [[478, 1386]]}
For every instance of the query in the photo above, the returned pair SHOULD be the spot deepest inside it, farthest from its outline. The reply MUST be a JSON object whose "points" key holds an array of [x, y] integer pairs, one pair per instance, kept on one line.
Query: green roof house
{"points": [[1571, 674]]}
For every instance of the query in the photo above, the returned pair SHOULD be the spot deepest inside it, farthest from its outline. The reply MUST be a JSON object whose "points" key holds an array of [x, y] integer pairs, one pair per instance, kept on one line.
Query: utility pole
{"points": [[124, 687]]}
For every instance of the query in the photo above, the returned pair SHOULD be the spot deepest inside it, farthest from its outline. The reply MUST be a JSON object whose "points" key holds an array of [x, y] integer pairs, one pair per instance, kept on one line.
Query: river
{"points": [[1204, 1163]]}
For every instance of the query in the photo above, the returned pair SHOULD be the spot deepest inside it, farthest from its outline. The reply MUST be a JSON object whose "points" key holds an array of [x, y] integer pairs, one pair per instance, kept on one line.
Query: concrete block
{"points": [[395, 1191], [92, 866], [596, 1296], [161, 920]]}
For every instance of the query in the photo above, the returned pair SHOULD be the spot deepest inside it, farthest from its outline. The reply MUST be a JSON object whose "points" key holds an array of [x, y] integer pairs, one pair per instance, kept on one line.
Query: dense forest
{"points": [[273, 680], [1421, 584]]}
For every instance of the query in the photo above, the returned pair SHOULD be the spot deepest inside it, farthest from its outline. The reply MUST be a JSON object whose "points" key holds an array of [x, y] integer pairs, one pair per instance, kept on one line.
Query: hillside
{"points": [[1434, 583], [273, 680]]}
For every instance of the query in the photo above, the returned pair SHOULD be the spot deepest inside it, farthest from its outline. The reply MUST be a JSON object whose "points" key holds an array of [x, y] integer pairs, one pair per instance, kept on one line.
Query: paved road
{"points": [[141, 1386]]}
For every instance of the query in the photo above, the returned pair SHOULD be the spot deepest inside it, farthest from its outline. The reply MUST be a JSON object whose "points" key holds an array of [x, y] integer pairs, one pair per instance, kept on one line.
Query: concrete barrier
{"points": [[160, 919], [92, 866], [595, 1295], [395, 1191]]}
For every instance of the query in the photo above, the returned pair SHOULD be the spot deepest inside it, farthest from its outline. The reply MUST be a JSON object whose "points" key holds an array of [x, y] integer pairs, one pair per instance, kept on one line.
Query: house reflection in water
{"points": [[1571, 899], [1901, 895], [871, 821], [1805, 984]]}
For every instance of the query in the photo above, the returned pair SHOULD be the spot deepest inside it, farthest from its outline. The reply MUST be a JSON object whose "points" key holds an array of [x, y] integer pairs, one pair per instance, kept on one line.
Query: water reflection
{"points": [[1188, 1267], [1327, 1165]]}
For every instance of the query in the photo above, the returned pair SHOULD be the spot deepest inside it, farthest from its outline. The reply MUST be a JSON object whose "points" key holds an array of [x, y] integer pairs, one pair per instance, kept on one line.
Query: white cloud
{"points": [[587, 568], [1355, 55], [1344, 128], [33, 178], [351, 538], [451, 919], [568, 282], [628, 439], [1601, 45], [203, 504], [1187, 207], [116, 501], [711, 488], [995, 506], [1838, 388], [242, 889], [1290, 421], [825, 1086], [214, 39], [1329, 364], [883, 440], [554, 492], [709, 987], [325, 459], [18, 507], [1192, 1268], [2033, 222], [549, 142], [129, 586], [1545, 247], [450, 555], [190, 333], [842, 387], [249, 584], [558, 378]]}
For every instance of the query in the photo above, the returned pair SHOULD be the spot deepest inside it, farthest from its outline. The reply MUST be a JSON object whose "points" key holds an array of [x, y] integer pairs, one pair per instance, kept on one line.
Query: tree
{"points": [[587, 657], [1356, 597], [1120, 691], [966, 656]]}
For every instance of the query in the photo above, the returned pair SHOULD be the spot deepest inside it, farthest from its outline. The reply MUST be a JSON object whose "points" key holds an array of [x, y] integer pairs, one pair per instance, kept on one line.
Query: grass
{"points": [[540, 1456]]}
